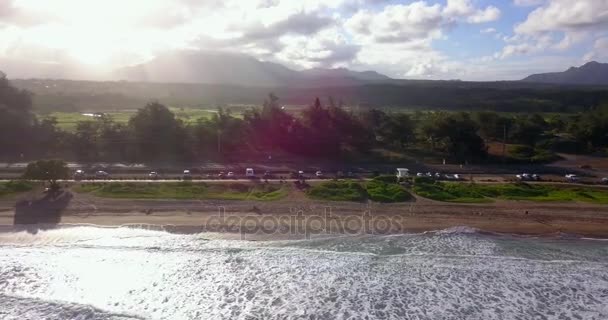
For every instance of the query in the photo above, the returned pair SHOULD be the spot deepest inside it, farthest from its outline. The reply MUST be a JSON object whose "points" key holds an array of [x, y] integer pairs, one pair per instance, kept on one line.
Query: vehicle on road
{"points": [[319, 174], [230, 175], [571, 178], [402, 173], [187, 175], [604, 180], [267, 175], [102, 175], [528, 177], [452, 176], [249, 173], [153, 175], [79, 175]]}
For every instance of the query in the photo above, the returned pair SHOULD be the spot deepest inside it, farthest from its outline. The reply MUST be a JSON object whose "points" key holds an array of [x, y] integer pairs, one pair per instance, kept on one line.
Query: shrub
{"points": [[338, 191], [15, 187], [386, 192]]}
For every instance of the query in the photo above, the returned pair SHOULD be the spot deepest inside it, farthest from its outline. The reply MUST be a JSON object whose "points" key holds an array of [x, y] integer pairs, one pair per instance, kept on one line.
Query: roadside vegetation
{"points": [[15, 187], [378, 189], [480, 193], [184, 190]]}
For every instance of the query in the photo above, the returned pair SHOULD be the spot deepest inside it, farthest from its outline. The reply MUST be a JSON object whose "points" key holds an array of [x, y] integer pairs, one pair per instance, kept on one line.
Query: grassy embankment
{"points": [[380, 189], [483, 193], [185, 190], [14, 187]]}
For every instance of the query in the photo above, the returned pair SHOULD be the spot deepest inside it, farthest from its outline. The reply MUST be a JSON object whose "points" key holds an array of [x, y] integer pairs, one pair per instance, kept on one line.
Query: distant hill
{"points": [[237, 69], [592, 73]]}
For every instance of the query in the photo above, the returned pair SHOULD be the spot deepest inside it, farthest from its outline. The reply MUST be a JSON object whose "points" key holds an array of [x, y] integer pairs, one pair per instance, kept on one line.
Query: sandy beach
{"points": [[295, 215]]}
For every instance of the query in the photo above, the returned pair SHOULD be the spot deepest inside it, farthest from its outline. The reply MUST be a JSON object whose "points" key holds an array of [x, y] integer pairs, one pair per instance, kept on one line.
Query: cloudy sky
{"points": [[427, 39]]}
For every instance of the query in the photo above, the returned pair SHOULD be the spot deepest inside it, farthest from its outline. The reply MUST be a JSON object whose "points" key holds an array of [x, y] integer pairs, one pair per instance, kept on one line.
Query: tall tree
{"points": [[155, 132], [47, 170]]}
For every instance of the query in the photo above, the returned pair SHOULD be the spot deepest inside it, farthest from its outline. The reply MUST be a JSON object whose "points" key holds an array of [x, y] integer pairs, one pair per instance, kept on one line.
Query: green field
{"points": [[481, 193], [185, 191], [14, 187], [378, 190], [68, 120]]}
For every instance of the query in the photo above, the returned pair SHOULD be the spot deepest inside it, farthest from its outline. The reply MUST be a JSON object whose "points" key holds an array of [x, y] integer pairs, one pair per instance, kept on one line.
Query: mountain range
{"points": [[591, 73], [238, 69], [208, 67]]}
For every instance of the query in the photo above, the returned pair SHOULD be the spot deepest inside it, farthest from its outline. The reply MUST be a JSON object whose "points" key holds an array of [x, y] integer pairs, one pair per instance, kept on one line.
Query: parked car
{"points": [[249, 173], [153, 175], [419, 174], [604, 180], [319, 174], [230, 175], [187, 175]]}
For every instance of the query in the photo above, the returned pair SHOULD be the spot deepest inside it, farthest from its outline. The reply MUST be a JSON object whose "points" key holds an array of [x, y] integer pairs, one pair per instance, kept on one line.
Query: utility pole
{"points": [[504, 142], [219, 141]]}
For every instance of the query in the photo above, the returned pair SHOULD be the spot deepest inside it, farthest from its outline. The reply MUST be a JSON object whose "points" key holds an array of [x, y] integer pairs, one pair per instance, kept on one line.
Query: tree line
{"points": [[325, 130]]}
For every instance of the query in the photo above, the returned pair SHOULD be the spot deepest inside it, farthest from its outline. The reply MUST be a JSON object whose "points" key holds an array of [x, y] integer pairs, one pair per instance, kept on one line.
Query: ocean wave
{"points": [[19, 308]]}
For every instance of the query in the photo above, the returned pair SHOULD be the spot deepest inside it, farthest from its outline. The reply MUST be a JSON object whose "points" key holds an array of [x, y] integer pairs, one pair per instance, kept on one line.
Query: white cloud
{"points": [[566, 15], [455, 9], [557, 25], [398, 23], [528, 3], [489, 14], [329, 48], [599, 51], [488, 30]]}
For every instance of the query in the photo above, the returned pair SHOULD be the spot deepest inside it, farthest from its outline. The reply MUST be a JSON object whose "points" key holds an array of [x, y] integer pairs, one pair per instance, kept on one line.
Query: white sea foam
{"points": [[124, 273]]}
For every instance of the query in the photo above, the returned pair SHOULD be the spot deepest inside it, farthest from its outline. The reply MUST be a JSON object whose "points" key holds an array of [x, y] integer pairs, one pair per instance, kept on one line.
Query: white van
{"points": [[249, 173]]}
